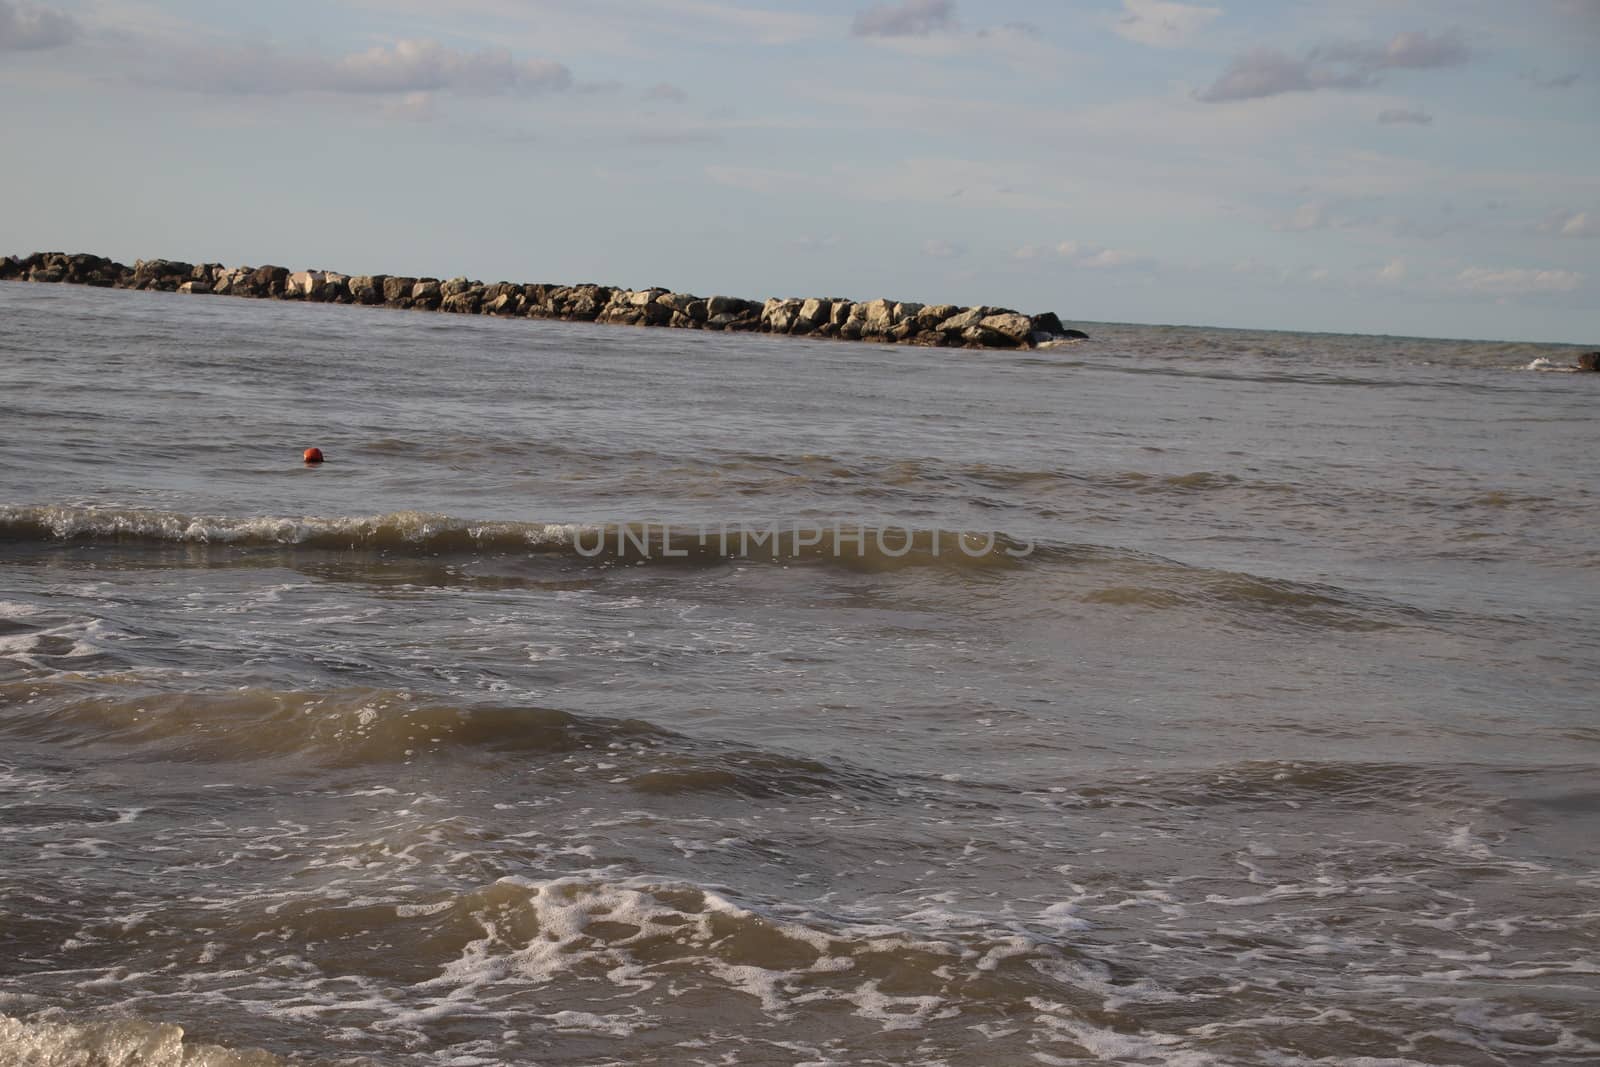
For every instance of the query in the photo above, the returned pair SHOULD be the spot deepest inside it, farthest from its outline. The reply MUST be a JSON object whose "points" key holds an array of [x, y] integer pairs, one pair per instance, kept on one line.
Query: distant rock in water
{"points": [[883, 321], [1589, 361]]}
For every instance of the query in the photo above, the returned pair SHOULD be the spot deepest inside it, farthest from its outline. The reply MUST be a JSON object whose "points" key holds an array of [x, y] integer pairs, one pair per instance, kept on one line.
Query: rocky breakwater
{"points": [[883, 321]]}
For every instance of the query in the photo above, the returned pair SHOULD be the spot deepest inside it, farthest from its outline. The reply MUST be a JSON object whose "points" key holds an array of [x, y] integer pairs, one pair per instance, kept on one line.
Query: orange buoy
{"points": [[313, 455]]}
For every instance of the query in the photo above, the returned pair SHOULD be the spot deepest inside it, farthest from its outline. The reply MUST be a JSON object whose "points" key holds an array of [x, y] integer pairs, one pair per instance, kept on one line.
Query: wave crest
{"points": [[851, 544]]}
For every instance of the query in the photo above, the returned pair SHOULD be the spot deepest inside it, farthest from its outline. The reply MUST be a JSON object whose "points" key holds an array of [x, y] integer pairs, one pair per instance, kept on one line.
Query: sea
{"points": [[644, 696]]}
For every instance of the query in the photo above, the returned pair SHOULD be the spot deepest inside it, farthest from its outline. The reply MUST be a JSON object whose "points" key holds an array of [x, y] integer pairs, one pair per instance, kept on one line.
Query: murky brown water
{"points": [[643, 697]]}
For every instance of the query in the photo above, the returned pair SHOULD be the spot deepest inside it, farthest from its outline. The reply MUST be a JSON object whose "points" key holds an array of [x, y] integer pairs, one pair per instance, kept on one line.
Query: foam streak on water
{"points": [[1180, 697]]}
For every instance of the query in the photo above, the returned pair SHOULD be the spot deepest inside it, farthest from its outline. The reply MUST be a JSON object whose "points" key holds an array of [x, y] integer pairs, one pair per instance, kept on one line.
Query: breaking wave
{"points": [[118, 1043], [851, 544], [369, 727]]}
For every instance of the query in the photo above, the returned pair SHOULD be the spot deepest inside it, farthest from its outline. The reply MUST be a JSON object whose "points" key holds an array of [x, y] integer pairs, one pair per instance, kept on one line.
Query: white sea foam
{"points": [[54, 1042], [1541, 363]]}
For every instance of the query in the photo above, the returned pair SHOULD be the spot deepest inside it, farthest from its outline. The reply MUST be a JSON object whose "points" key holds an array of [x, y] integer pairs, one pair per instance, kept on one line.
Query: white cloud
{"points": [[405, 67], [1276, 274], [1417, 50], [1269, 72], [1393, 271], [1020, 46], [913, 18], [410, 66], [1518, 281], [1570, 224], [1108, 257], [929, 180], [1581, 225], [701, 20], [1162, 23], [26, 27], [413, 107], [675, 138], [1079, 254], [1352, 65], [1556, 81], [667, 92], [1363, 213], [1402, 116], [1312, 215]]}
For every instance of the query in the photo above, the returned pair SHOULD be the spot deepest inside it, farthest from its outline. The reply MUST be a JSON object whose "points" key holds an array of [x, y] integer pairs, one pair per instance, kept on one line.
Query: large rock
{"points": [[84, 269], [586, 301], [678, 301], [498, 289], [812, 315], [854, 320], [367, 288], [539, 298], [1589, 361], [427, 294], [1015, 328], [241, 281], [397, 288], [335, 289], [79, 268], [1048, 323], [778, 316], [727, 305], [462, 301], [877, 317], [962, 321], [979, 336], [302, 283], [503, 299], [621, 314], [268, 280], [1047, 329], [48, 267], [161, 273], [455, 287], [622, 310], [639, 298]]}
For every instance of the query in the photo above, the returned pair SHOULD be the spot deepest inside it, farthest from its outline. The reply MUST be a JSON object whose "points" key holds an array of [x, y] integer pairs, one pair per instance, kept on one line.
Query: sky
{"points": [[1415, 167]]}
